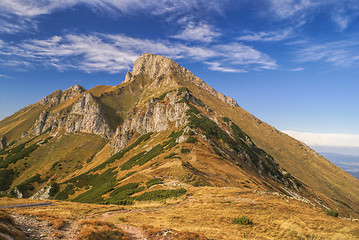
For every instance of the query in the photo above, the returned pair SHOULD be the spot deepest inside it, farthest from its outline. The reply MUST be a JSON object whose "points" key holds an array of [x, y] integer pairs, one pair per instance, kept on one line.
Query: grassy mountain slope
{"points": [[169, 128], [294, 156]]}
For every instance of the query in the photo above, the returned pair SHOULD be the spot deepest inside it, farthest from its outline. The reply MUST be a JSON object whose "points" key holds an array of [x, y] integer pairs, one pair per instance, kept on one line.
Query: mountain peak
{"points": [[76, 88], [153, 66], [158, 67], [59, 96]]}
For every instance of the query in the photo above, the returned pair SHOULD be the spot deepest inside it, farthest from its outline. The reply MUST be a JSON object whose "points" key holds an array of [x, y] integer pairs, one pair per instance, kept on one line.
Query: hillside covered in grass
{"points": [[159, 133]]}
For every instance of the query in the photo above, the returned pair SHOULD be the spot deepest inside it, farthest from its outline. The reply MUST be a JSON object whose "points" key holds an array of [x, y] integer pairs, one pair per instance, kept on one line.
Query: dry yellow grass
{"points": [[209, 211]]}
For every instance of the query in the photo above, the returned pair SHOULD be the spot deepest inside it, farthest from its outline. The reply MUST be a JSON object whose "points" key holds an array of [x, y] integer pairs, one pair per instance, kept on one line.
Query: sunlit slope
{"points": [[294, 156], [161, 124]]}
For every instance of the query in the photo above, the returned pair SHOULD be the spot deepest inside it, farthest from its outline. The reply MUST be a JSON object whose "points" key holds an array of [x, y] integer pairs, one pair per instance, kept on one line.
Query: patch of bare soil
{"points": [[35, 228]]}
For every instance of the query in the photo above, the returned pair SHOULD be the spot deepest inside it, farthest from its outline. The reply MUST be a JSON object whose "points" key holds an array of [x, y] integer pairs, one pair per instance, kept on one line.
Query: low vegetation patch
{"points": [[169, 144], [6, 178], [158, 195], [18, 153], [122, 194], [172, 155], [242, 220], [27, 184], [154, 181], [331, 212], [182, 89], [63, 195], [191, 139], [55, 188], [143, 157], [120, 154], [101, 184], [126, 176], [185, 150]]}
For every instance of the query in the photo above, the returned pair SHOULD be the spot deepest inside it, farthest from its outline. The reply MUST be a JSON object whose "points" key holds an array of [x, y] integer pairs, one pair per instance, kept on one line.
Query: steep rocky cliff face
{"points": [[60, 96], [156, 115], [85, 115], [3, 142]]}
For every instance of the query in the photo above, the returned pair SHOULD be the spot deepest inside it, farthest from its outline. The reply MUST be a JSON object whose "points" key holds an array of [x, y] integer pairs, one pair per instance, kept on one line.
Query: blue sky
{"points": [[292, 63]]}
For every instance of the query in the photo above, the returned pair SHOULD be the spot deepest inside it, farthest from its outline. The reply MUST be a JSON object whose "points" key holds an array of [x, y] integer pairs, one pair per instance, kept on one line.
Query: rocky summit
{"points": [[163, 134]]}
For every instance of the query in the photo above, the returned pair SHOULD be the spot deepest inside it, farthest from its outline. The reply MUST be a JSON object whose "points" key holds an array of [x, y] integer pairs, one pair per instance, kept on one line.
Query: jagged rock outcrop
{"points": [[162, 70], [43, 193], [60, 96], [154, 116], [3, 142], [40, 123], [86, 115]]}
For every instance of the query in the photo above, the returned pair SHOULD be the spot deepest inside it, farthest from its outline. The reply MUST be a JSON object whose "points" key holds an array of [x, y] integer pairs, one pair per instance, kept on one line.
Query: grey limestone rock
{"points": [[153, 116], [3, 142], [86, 115]]}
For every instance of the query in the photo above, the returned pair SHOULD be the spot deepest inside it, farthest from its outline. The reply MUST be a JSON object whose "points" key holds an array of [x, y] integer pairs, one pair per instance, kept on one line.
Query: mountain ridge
{"points": [[162, 121]]}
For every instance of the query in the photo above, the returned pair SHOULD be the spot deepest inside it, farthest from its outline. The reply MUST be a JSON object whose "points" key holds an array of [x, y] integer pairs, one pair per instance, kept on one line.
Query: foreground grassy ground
{"points": [[203, 213]]}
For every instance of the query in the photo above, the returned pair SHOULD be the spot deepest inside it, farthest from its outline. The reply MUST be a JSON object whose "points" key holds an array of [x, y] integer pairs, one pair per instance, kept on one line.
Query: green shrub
{"points": [[154, 181], [130, 163], [128, 186], [124, 201], [18, 148], [101, 184], [225, 119], [331, 212], [192, 110], [185, 150], [242, 220], [158, 195], [172, 155], [126, 176], [191, 140], [6, 178], [163, 95], [55, 188], [121, 195], [169, 144], [143, 157], [154, 152], [120, 154], [125, 194], [63, 195], [20, 153], [47, 139], [27, 185], [182, 89]]}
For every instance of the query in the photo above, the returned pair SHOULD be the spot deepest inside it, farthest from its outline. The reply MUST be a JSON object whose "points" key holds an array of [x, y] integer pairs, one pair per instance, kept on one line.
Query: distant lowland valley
{"points": [[349, 163]]}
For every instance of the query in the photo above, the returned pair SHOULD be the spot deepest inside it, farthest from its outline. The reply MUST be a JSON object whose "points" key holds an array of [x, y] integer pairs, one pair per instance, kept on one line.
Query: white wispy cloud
{"points": [[296, 69], [240, 54], [32, 8], [197, 32], [114, 53], [325, 139], [4, 76], [342, 12], [13, 12], [288, 8], [344, 53], [267, 36], [216, 66]]}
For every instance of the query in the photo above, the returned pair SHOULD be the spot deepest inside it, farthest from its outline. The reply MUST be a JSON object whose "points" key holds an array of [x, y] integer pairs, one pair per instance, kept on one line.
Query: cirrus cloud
{"points": [[116, 52]]}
